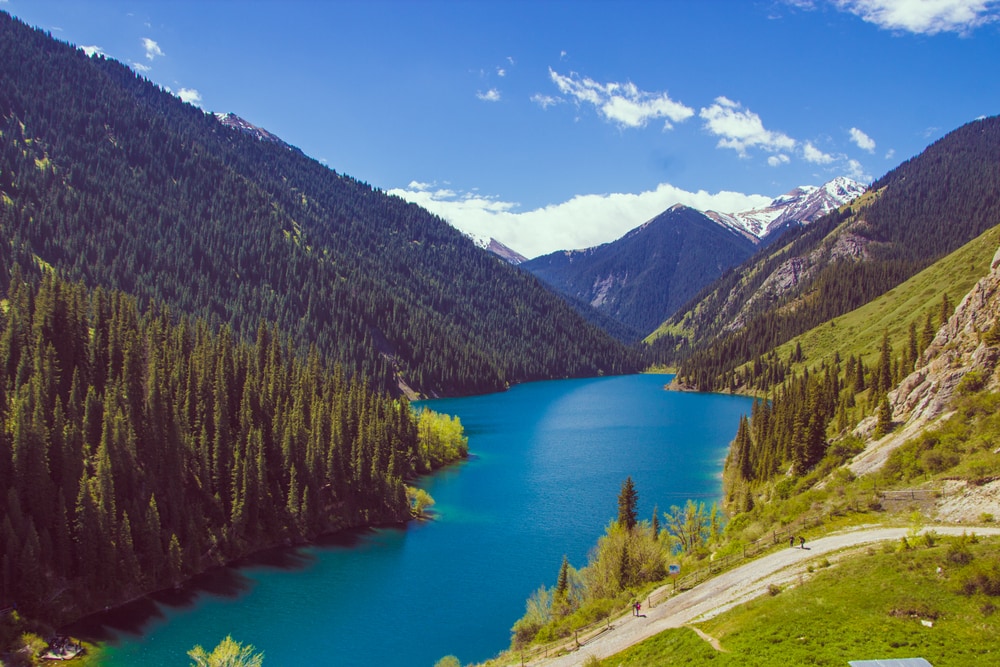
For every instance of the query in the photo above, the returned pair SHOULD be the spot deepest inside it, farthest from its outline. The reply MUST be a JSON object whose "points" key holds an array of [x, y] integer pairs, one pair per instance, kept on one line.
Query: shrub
{"points": [[972, 382], [958, 552], [982, 579]]}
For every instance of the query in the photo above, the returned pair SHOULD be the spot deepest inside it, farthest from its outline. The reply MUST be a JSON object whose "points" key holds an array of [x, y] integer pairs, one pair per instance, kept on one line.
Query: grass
{"points": [[859, 332], [872, 605]]}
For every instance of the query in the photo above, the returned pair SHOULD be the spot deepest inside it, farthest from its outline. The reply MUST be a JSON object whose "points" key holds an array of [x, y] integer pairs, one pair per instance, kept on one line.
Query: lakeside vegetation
{"points": [[785, 469], [229, 378], [136, 450]]}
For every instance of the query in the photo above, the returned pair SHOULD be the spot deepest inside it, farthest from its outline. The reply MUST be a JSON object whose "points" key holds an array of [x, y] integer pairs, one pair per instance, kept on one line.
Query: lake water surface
{"points": [[548, 460]]}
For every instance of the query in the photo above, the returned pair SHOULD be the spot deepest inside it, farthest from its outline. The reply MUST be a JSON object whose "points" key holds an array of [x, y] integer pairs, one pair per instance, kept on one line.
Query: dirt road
{"points": [[732, 588]]}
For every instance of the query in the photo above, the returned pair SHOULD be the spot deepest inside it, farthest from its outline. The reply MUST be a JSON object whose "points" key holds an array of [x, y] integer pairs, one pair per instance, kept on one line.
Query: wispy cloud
{"points": [[546, 101], [581, 222], [491, 95], [91, 51], [862, 140], [153, 49], [622, 103], [856, 171], [778, 160], [190, 95], [739, 128], [928, 17], [140, 67]]}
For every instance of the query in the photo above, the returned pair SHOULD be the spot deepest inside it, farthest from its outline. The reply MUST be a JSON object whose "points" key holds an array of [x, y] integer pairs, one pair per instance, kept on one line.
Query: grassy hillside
{"points": [[860, 331], [869, 606]]}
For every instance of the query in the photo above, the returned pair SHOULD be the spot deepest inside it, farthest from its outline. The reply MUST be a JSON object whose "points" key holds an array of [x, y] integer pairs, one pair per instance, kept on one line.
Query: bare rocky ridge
{"points": [[844, 245]]}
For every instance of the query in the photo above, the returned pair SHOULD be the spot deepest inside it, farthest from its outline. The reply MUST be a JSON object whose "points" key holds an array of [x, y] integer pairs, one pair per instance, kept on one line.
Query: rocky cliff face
{"points": [[960, 347]]}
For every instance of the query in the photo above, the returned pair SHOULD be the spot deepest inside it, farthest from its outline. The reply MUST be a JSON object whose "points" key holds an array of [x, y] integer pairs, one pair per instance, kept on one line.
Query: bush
{"points": [[983, 578], [972, 382], [958, 552]]}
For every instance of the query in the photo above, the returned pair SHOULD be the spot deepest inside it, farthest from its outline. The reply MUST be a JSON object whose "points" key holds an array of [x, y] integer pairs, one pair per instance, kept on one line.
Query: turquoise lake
{"points": [[547, 463]]}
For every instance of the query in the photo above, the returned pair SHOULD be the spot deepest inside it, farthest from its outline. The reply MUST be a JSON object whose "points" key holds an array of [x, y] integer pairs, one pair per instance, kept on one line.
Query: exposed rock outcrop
{"points": [[958, 349]]}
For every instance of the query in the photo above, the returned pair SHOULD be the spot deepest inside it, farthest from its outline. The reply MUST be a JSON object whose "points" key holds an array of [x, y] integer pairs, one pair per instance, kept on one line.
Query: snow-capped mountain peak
{"points": [[803, 205], [237, 123]]}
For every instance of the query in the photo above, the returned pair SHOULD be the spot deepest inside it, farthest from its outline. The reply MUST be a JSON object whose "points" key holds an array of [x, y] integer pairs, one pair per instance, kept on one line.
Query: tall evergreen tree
{"points": [[628, 499]]}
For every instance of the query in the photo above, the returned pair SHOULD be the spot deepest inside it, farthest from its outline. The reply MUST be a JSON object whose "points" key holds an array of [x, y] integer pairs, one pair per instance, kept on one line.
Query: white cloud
{"points": [[501, 72], [778, 160], [190, 95], [928, 17], [139, 67], [152, 48], [91, 51], [491, 95], [740, 129], [862, 140], [857, 172], [815, 155], [622, 103], [546, 101], [581, 222], [889, 154]]}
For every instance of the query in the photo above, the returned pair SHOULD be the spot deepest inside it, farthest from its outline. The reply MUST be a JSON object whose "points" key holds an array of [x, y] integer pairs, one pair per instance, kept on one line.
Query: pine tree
{"points": [[628, 499]]}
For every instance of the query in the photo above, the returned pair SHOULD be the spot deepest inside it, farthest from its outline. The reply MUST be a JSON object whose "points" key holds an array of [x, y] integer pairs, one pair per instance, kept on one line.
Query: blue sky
{"points": [[557, 125]]}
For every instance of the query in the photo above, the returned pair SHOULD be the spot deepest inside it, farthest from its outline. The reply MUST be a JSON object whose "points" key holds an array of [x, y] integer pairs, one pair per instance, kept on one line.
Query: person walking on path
{"points": [[791, 541], [802, 542]]}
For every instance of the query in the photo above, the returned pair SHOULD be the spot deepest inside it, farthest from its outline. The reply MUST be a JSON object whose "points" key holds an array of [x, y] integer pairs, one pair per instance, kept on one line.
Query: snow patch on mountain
{"points": [[237, 123], [803, 204]]}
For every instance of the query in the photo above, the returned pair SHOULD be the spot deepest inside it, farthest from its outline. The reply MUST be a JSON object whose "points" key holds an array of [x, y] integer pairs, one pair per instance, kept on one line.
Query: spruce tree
{"points": [[628, 499]]}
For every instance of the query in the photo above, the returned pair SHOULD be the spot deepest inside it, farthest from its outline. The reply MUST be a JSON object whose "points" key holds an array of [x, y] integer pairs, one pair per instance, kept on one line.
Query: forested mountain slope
{"points": [[643, 277], [114, 182], [136, 451], [917, 213]]}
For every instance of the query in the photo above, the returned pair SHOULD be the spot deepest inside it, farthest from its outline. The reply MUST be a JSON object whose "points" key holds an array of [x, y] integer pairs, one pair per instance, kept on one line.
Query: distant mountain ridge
{"points": [[923, 209], [801, 205], [642, 278], [649, 272]]}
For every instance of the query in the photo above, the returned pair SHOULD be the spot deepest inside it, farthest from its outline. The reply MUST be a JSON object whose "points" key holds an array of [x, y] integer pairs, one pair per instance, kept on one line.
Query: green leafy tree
{"points": [[229, 653]]}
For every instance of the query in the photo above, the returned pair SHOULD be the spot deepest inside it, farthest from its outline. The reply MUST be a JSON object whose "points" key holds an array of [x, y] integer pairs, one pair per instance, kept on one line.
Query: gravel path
{"points": [[732, 588]]}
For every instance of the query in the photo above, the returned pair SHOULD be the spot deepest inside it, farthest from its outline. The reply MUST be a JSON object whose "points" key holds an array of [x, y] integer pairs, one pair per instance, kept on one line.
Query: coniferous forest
{"points": [[116, 183], [205, 338], [139, 448]]}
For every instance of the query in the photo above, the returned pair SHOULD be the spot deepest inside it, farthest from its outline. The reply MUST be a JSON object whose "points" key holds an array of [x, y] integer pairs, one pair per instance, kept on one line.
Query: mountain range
{"points": [[641, 279], [183, 264], [908, 219]]}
